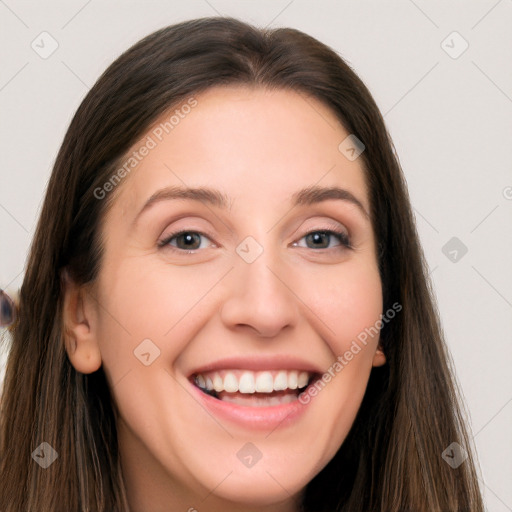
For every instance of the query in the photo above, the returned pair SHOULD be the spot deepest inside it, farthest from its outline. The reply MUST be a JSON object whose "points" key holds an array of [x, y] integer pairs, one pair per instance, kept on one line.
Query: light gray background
{"points": [[450, 119]]}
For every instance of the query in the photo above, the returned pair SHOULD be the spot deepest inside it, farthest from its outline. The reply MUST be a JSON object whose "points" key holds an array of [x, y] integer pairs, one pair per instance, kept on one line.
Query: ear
{"points": [[79, 326], [379, 358]]}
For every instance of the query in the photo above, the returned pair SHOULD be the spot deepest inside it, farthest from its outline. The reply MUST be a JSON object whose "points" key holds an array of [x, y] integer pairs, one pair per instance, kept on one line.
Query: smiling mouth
{"points": [[254, 389]]}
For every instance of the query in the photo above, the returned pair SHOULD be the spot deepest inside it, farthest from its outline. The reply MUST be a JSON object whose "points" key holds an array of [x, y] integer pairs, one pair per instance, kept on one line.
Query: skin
{"points": [[258, 147]]}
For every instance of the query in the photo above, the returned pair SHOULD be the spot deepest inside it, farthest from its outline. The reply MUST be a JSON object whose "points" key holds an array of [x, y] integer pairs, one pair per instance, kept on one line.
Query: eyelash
{"points": [[341, 235]]}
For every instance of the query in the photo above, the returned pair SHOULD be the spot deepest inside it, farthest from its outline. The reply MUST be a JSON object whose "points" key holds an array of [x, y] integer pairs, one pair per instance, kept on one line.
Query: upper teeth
{"points": [[245, 381]]}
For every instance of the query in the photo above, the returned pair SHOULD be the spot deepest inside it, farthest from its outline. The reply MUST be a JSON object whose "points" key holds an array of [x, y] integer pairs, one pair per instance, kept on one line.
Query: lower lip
{"points": [[254, 418]]}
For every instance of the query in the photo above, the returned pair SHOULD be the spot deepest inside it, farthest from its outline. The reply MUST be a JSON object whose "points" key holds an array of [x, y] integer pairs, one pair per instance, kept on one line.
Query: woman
{"points": [[184, 343]]}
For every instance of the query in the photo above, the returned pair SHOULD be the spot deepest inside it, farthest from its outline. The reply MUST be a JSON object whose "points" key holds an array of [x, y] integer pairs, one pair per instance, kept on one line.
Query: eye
{"points": [[185, 241], [320, 238]]}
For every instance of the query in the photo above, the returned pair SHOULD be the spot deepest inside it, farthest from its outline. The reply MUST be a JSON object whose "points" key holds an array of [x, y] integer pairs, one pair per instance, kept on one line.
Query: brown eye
{"points": [[187, 241], [190, 240]]}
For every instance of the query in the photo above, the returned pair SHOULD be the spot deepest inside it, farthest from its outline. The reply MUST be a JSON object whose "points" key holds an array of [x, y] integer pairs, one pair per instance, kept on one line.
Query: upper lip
{"points": [[258, 363]]}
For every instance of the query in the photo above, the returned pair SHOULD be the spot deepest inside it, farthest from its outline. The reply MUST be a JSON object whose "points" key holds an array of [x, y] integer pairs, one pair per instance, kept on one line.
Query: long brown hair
{"points": [[392, 458]]}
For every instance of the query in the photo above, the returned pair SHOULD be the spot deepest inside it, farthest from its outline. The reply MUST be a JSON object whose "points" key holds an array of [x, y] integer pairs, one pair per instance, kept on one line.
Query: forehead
{"points": [[248, 142]]}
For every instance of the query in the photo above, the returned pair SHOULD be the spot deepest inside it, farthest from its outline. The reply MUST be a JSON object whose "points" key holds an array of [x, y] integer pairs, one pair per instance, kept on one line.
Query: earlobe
{"points": [[78, 323], [379, 358]]}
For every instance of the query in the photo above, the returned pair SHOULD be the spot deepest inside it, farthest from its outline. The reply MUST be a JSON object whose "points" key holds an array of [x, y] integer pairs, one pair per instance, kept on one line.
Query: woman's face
{"points": [[259, 293]]}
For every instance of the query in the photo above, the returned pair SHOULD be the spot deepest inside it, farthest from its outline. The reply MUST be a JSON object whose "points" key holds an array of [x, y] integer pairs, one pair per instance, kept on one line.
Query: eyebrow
{"points": [[305, 197]]}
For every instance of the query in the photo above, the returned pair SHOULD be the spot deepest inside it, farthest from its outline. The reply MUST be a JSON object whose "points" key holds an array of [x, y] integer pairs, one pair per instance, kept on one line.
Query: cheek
{"points": [[348, 303], [141, 302]]}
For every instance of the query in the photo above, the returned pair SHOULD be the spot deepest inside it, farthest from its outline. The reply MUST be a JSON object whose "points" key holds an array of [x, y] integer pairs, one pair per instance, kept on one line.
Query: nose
{"points": [[260, 297]]}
